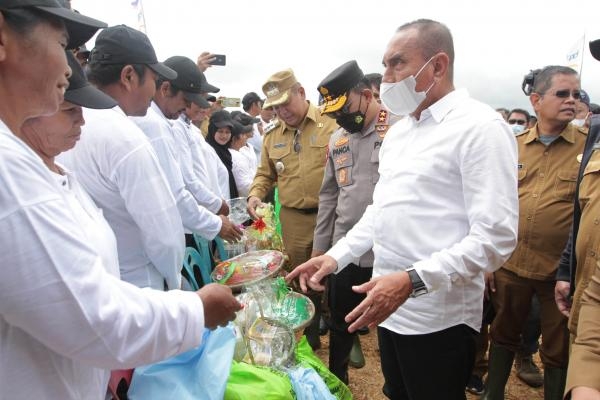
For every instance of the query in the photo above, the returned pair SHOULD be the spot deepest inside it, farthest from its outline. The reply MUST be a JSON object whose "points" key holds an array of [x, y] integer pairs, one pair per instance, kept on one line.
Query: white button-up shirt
{"points": [[192, 165], [447, 204], [117, 166], [195, 218], [65, 320], [243, 170]]}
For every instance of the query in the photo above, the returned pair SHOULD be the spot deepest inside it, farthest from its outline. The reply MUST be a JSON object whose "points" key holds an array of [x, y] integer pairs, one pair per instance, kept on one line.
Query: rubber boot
{"points": [[357, 359], [554, 383], [499, 366]]}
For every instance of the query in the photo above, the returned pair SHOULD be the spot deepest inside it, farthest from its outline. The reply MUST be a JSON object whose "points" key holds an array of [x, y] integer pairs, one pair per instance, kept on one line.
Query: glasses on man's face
{"points": [[297, 145], [517, 121], [566, 93]]}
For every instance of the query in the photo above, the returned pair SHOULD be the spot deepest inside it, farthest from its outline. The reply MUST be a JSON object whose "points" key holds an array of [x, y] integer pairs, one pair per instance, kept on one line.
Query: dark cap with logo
{"points": [[595, 49], [335, 87], [249, 99], [81, 92], [190, 80], [124, 45], [80, 28]]}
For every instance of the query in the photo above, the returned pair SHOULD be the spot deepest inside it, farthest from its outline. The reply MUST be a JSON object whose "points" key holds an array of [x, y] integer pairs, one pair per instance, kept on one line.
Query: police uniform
{"points": [[547, 176], [294, 158], [351, 173]]}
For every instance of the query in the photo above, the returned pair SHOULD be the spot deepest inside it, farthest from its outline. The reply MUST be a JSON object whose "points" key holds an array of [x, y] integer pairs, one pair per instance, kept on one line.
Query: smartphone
{"points": [[219, 59], [230, 101]]}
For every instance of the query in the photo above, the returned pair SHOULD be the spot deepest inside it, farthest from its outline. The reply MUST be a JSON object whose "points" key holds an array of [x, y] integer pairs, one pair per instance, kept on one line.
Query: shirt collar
{"points": [[443, 106], [567, 134]]}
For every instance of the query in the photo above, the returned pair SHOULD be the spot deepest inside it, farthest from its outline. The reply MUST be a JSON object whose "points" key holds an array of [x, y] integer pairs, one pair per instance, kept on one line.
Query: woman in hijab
{"points": [[220, 129]]}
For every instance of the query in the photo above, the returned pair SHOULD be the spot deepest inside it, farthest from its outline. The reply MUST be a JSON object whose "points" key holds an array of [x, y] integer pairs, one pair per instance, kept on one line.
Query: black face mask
{"points": [[352, 122]]}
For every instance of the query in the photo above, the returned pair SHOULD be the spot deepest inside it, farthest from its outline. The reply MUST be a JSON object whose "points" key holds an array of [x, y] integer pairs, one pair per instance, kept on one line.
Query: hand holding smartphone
{"points": [[218, 59]]}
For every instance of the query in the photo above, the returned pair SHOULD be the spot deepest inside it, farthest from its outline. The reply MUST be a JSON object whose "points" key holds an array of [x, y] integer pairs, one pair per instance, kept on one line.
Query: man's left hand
{"points": [[384, 295]]}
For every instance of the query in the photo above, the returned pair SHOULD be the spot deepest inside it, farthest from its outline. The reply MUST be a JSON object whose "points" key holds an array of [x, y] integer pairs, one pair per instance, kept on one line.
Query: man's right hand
{"points": [[312, 272], [561, 296], [253, 202], [229, 231], [219, 303], [224, 210]]}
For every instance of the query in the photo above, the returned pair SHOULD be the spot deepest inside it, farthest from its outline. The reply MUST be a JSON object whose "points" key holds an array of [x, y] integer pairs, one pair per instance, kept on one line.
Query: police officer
{"points": [[548, 165], [293, 155], [351, 173]]}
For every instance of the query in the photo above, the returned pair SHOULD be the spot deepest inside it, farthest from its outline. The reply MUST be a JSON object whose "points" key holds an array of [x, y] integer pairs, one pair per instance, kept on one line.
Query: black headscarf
{"points": [[218, 120]]}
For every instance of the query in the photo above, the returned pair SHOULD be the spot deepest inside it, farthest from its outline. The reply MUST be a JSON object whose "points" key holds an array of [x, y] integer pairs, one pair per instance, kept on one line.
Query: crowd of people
{"points": [[422, 213]]}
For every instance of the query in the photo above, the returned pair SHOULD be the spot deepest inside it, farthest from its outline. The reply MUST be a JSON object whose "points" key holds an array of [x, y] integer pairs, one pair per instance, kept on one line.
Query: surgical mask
{"points": [[352, 122], [578, 122], [516, 128], [401, 98]]}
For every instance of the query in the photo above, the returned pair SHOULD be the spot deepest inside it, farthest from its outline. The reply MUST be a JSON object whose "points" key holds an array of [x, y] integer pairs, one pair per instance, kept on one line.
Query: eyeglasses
{"points": [[297, 145], [565, 93], [517, 121]]}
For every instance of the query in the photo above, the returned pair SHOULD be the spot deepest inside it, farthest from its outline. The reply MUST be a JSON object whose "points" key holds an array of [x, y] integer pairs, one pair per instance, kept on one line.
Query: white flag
{"points": [[139, 9], [575, 55]]}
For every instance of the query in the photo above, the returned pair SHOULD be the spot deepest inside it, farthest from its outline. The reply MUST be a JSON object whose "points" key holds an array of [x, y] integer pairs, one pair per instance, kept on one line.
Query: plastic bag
{"points": [[254, 382], [308, 385], [306, 358], [200, 373]]}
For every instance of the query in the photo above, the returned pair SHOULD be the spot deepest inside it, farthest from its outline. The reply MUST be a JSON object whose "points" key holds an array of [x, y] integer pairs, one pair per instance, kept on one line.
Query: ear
{"points": [[3, 37], [440, 65], [535, 99], [302, 92], [368, 93], [129, 78], [164, 89]]}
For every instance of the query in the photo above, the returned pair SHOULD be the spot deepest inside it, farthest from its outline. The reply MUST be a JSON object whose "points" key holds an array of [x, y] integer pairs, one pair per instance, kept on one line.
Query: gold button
{"points": [[542, 175], [534, 195], [529, 218]]}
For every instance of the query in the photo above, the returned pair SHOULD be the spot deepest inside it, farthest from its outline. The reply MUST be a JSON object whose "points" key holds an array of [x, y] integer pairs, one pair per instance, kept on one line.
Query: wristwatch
{"points": [[419, 287]]}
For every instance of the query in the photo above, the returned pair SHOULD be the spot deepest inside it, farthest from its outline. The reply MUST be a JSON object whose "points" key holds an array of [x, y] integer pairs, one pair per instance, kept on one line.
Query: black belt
{"points": [[306, 210]]}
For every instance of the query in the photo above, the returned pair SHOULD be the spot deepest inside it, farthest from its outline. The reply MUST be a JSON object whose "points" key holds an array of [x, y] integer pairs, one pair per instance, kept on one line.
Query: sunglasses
{"points": [[517, 121], [297, 145], [565, 93]]}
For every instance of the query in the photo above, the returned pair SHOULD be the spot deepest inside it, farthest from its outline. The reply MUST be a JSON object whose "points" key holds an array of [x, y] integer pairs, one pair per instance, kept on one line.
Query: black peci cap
{"points": [[335, 87], [595, 49], [80, 28], [124, 45], [81, 92]]}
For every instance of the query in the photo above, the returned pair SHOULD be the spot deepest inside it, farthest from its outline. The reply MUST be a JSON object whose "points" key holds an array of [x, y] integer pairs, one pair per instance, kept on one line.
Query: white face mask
{"points": [[578, 122], [516, 128], [401, 98]]}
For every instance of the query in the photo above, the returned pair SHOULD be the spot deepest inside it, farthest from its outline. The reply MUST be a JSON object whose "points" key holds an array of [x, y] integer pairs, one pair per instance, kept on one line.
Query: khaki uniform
{"points": [[547, 178], [588, 238], [584, 362], [298, 176]]}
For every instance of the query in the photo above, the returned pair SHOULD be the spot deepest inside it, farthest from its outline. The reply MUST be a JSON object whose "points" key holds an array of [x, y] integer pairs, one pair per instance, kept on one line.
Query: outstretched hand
{"points": [[312, 272], [384, 295]]}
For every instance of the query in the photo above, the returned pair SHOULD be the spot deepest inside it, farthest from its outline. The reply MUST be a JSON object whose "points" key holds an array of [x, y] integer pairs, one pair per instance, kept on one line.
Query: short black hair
{"points": [[520, 111], [374, 79], [542, 81], [106, 74]]}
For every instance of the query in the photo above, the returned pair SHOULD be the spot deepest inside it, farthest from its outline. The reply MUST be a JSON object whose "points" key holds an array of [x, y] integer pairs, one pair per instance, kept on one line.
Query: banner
{"points": [[139, 9], [575, 55]]}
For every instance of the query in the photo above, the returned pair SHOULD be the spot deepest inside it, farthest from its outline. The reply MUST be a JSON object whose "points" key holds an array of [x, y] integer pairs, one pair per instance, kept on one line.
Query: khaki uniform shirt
{"points": [[351, 173], [298, 174], [588, 238], [547, 177]]}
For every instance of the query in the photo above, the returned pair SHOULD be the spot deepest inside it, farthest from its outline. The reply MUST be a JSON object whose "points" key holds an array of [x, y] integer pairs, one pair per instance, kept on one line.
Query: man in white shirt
{"points": [[444, 212], [169, 101], [252, 104], [118, 167]]}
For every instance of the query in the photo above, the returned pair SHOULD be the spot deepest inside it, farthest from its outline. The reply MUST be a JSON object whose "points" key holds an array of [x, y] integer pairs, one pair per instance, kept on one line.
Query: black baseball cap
{"points": [[81, 92], [121, 44], [190, 80], [80, 28], [221, 119], [244, 118], [335, 87], [249, 99], [595, 49]]}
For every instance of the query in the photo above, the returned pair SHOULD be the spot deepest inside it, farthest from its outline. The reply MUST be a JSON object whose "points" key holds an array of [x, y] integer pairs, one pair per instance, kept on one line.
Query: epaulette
{"points": [[270, 126]]}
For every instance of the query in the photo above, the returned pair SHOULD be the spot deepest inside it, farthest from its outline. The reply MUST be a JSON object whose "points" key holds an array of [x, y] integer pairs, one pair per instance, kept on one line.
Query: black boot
{"points": [[499, 366], [554, 383]]}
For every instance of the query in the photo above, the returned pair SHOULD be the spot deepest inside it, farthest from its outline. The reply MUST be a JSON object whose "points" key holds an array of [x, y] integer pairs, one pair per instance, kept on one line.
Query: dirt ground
{"points": [[366, 383]]}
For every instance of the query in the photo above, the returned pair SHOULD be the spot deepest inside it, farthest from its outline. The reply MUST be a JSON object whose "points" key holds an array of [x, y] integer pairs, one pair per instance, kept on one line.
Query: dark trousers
{"points": [[342, 300], [427, 367]]}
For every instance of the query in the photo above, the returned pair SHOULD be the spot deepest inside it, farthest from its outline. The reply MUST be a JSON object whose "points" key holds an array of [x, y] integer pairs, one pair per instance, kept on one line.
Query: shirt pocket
{"points": [[318, 148], [278, 154], [343, 169], [521, 175], [375, 164], [564, 185]]}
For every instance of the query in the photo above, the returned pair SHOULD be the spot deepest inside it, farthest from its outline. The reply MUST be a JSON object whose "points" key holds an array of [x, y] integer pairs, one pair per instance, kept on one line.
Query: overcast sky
{"points": [[496, 42]]}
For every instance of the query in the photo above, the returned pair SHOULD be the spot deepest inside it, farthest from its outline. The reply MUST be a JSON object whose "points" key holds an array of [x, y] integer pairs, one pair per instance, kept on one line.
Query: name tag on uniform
{"points": [[279, 145]]}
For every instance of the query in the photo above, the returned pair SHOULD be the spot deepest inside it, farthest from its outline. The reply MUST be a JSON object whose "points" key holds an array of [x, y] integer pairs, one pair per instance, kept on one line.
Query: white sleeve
{"points": [[57, 290], [195, 217], [183, 148], [242, 172]]}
